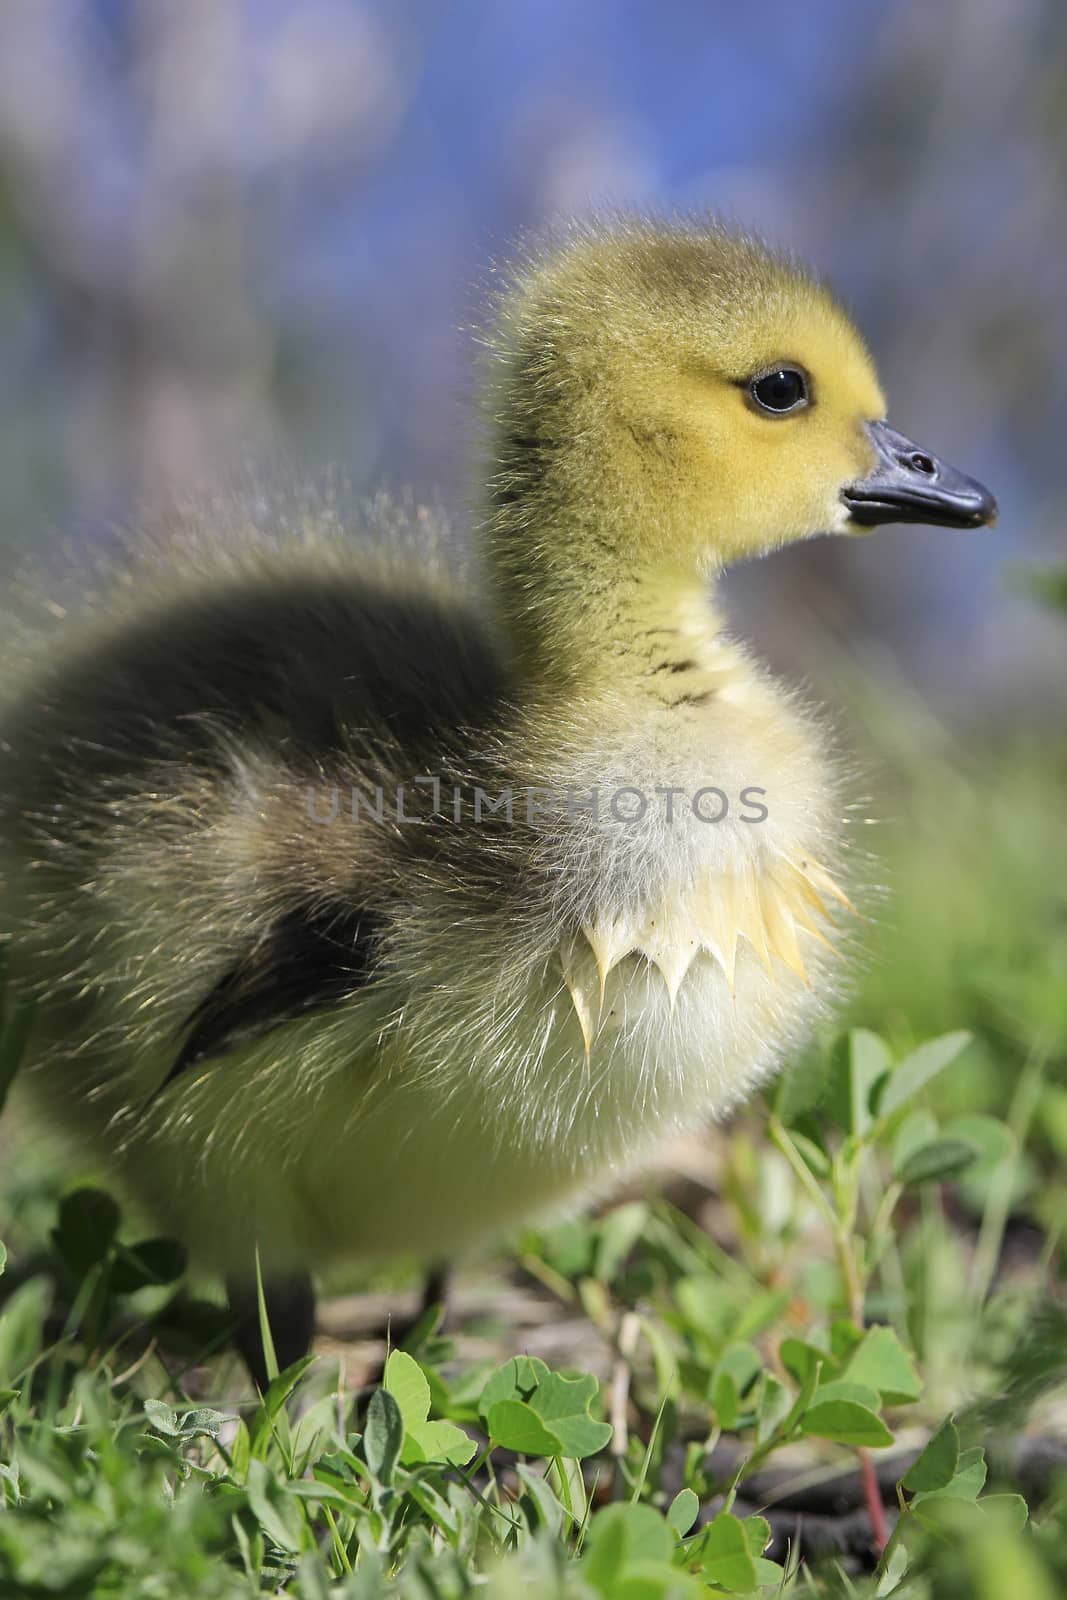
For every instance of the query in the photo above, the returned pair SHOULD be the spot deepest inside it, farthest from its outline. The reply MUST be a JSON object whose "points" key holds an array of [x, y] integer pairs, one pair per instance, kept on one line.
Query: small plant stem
{"points": [[854, 1289], [553, 1281], [850, 1274], [886, 1255], [886, 1207], [808, 1180], [842, 1222], [558, 1472], [895, 1537], [469, 1473], [872, 1493], [344, 1565], [749, 1466]]}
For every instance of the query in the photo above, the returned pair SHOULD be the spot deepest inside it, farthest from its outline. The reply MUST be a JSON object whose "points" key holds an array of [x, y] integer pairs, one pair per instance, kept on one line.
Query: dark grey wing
{"points": [[310, 959]]}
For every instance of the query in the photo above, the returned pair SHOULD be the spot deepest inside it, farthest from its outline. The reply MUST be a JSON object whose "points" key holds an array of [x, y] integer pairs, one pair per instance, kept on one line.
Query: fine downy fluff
{"points": [[296, 1020]]}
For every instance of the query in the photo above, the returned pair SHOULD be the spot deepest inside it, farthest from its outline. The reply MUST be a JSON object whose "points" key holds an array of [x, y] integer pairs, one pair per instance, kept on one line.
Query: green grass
{"points": [[852, 1317], [860, 1277]]}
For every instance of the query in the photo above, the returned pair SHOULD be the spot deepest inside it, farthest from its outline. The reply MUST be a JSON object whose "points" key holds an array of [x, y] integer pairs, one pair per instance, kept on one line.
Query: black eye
{"points": [[784, 389]]}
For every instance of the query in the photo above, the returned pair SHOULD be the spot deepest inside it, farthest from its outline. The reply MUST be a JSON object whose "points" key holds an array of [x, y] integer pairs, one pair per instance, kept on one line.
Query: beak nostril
{"points": [[910, 484]]}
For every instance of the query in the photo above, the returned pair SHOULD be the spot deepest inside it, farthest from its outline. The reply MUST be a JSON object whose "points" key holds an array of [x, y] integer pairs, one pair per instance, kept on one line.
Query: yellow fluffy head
{"points": [[624, 405]]}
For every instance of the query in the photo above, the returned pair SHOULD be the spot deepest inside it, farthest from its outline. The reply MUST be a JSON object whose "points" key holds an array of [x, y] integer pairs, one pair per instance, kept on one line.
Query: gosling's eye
{"points": [[784, 389]]}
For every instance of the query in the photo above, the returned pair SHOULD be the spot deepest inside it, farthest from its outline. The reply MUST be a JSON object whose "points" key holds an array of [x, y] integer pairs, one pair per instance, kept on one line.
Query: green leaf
{"points": [[277, 1512], [547, 1510], [240, 1451], [725, 1557], [941, 1158], [3, 1259], [605, 1550], [1009, 1510], [725, 1401], [6, 1398], [735, 1372], [515, 1380], [266, 1338], [621, 1536], [383, 1436], [277, 1393], [22, 1324], [844, 1337], [918, 1128], [861, 1394], [769, 1572], [894, 1573], [742, 1362], [992, 1138], [936, 1465], [406, 1382], [683, 1512], [846, 1422], [948, 1514], [813, 1157], [563, 1404], [970, 1477], [423, 1440], [773, 1405], [514, 1425], [800, 1359], [812, 1371], [757, 1534], [560, 1404], [439, 1510], [882, 1362], [860, 1060], [918, 1069], [801, 1087], [162, 1418], [204, 1420]]}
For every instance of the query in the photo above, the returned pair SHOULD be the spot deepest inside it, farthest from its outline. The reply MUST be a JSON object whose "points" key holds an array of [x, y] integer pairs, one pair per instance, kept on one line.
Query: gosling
{"points": [[370, 911]]}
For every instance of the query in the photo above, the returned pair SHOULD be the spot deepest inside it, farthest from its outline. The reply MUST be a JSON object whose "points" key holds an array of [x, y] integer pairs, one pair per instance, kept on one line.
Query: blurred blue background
{"points": [[259, 234]]}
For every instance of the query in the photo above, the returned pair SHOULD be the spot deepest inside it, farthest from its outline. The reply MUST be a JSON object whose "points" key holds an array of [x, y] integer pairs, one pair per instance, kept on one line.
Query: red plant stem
{"points": [[873, 1495], [872, 1492]]}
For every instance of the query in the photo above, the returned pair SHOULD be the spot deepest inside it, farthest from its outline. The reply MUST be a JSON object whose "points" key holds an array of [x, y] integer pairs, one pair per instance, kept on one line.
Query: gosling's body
{"points": [[333, 1035], [476, 1078]]}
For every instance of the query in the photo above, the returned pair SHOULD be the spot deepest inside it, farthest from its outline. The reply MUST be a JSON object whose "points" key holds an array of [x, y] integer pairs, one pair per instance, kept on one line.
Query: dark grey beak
{"points": [[909, 484]]}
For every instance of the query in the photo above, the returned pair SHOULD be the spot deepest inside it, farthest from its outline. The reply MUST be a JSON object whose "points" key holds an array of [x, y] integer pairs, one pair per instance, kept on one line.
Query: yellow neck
{"points": [[644, 631]]}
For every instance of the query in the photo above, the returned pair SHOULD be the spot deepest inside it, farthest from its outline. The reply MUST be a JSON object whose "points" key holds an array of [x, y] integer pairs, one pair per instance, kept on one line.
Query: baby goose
{"points": [[366, 915]]}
